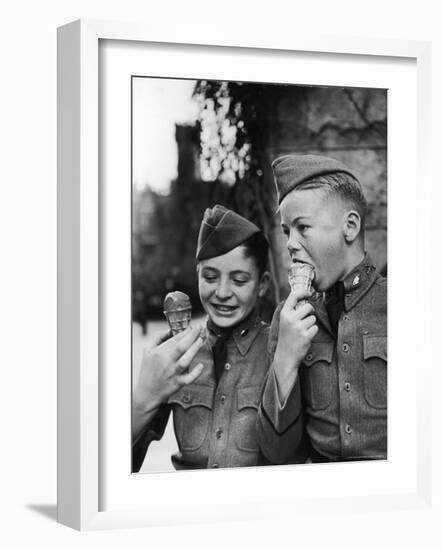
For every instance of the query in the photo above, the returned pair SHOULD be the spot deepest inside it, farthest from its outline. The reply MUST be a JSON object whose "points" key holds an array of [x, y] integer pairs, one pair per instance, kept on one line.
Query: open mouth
{"points": [[223, 309], [296, 261]]}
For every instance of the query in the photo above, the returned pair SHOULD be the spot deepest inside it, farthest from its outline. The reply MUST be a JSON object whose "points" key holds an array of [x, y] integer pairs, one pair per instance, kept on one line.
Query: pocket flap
{"points": [[319, 351], [193, 396], [375, 346], [248, 397]]}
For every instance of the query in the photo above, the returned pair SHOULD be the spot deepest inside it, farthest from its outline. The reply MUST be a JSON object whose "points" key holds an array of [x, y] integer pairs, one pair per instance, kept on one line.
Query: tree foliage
{"points": [[234, 129]]}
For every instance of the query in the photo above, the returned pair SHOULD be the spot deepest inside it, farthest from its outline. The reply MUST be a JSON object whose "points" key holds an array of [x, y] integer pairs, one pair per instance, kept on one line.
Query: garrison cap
{"points": [[222, 230], [292, 170]]}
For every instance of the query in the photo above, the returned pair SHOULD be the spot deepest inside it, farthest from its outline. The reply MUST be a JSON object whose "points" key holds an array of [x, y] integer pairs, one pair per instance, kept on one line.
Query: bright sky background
{"points": [[158, 104]]}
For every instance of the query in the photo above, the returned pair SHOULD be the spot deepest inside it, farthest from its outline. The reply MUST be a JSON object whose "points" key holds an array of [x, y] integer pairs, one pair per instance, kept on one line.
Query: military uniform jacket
{"points": [[216, 425], [340, 396]]}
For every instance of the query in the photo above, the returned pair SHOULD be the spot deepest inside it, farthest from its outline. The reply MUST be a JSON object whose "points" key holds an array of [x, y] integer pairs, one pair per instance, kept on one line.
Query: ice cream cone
{"points": [[178, 311], [301, 277]]}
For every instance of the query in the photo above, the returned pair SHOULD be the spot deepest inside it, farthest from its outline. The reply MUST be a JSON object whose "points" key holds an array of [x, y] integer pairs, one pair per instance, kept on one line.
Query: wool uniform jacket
{"points": [[216, 424], [339, 400]]}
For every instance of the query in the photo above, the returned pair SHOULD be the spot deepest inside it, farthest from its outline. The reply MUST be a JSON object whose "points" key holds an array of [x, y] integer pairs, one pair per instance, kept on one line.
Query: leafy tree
{"points": [[234, 131]]}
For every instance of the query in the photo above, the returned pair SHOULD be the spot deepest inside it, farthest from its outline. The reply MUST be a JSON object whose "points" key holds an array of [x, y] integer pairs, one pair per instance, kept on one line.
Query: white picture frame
{"points": [[81, 293]]}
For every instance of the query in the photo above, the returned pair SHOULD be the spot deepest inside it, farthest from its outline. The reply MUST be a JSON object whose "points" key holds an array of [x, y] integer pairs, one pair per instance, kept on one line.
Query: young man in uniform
{"points": [[328, 381]]}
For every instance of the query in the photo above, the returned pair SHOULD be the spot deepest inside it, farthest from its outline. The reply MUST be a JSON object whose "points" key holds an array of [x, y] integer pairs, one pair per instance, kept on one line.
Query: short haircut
{"points": [[343, 185], [257, 247]]}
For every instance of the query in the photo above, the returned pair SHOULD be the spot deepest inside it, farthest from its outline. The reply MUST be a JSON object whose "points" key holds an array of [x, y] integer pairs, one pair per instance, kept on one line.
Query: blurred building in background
{"points": [[349, 125], [165, 231]]}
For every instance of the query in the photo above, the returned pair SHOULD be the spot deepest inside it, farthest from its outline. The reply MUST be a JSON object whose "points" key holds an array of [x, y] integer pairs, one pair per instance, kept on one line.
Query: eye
{"points": [[239, 281], [209, 277], [240, 278], [302, 228], [285, 231]]}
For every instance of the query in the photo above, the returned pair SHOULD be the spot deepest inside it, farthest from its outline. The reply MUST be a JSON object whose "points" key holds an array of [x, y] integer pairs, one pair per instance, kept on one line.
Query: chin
{"points": [[222, 322], [226, 321], [320, 286]]}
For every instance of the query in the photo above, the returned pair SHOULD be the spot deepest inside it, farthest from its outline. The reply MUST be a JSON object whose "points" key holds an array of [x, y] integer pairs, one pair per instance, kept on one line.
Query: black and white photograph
{"points": [[259, 274]]}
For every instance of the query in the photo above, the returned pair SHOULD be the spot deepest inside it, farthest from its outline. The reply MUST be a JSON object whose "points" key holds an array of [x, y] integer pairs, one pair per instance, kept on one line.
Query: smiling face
{"points": [[315, 224], [229, 286]]}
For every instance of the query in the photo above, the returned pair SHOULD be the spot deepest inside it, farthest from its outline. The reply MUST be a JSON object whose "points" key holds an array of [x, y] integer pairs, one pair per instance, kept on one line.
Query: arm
{"points": [[280, 416], [153, 431], [164, 369]]}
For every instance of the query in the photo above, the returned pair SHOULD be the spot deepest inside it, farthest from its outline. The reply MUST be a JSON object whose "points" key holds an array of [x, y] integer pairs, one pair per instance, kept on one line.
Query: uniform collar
{"points": [[356, 284], [242, 334]]}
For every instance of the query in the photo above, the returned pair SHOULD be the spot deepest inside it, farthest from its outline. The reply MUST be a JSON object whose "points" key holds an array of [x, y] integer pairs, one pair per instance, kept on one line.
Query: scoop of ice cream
{"points": [[176, 301]]}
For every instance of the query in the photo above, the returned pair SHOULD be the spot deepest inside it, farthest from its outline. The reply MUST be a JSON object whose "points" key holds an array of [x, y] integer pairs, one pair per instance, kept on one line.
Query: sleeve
{"points": [[153, 431], [280, 426]]}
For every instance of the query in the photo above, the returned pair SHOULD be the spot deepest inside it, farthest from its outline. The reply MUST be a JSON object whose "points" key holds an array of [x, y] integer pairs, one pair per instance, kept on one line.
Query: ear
{"points": [[264, 283], [352, 226]]}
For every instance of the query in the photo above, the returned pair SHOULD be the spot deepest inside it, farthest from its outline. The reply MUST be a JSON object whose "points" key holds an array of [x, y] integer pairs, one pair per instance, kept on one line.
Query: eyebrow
{"points": [[235, 272], [297, 219]]}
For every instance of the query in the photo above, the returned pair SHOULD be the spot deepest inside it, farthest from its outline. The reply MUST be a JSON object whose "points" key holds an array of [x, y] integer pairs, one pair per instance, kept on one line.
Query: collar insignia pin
{"points": [[356, 280]]}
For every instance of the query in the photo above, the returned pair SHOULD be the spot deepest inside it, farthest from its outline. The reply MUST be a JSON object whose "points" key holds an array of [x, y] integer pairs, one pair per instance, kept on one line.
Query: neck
{"points": [[353, 259]]}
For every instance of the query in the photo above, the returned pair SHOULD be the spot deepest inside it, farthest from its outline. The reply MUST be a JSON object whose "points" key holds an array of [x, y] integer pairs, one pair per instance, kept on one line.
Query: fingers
{"points": [[294, 297], [189, 354], [167, 340], [309, 321], [188, 378], [161, 338], [301, 310], [304, 310], [172, 342], [188, 338]]}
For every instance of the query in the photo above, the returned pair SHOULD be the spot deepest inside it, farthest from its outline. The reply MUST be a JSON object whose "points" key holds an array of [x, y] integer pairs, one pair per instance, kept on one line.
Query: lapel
{"points": [[318, 302], [356, 284], [243, 335]]}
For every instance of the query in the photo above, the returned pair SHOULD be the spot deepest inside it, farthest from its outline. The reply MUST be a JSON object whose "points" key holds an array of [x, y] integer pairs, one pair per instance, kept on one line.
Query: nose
{"points": [[223, 290], [293, 242]]}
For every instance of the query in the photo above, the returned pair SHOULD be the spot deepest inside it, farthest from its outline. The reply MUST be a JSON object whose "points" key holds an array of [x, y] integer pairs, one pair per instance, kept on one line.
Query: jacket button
{"points": [[215, 465], [345, 348], [348, 429], [223, 399], [227, 366], [218, 433], [347, 386], [309, 356]]}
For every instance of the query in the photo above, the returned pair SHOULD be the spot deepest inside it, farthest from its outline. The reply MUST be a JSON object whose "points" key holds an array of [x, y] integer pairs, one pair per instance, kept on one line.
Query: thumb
{"points": [[294, 297], [161, 338]]}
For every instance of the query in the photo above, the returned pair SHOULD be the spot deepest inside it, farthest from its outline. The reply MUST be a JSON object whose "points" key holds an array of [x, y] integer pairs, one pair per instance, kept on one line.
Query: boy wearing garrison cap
{"points": [[215, 415], [328, 378]]}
